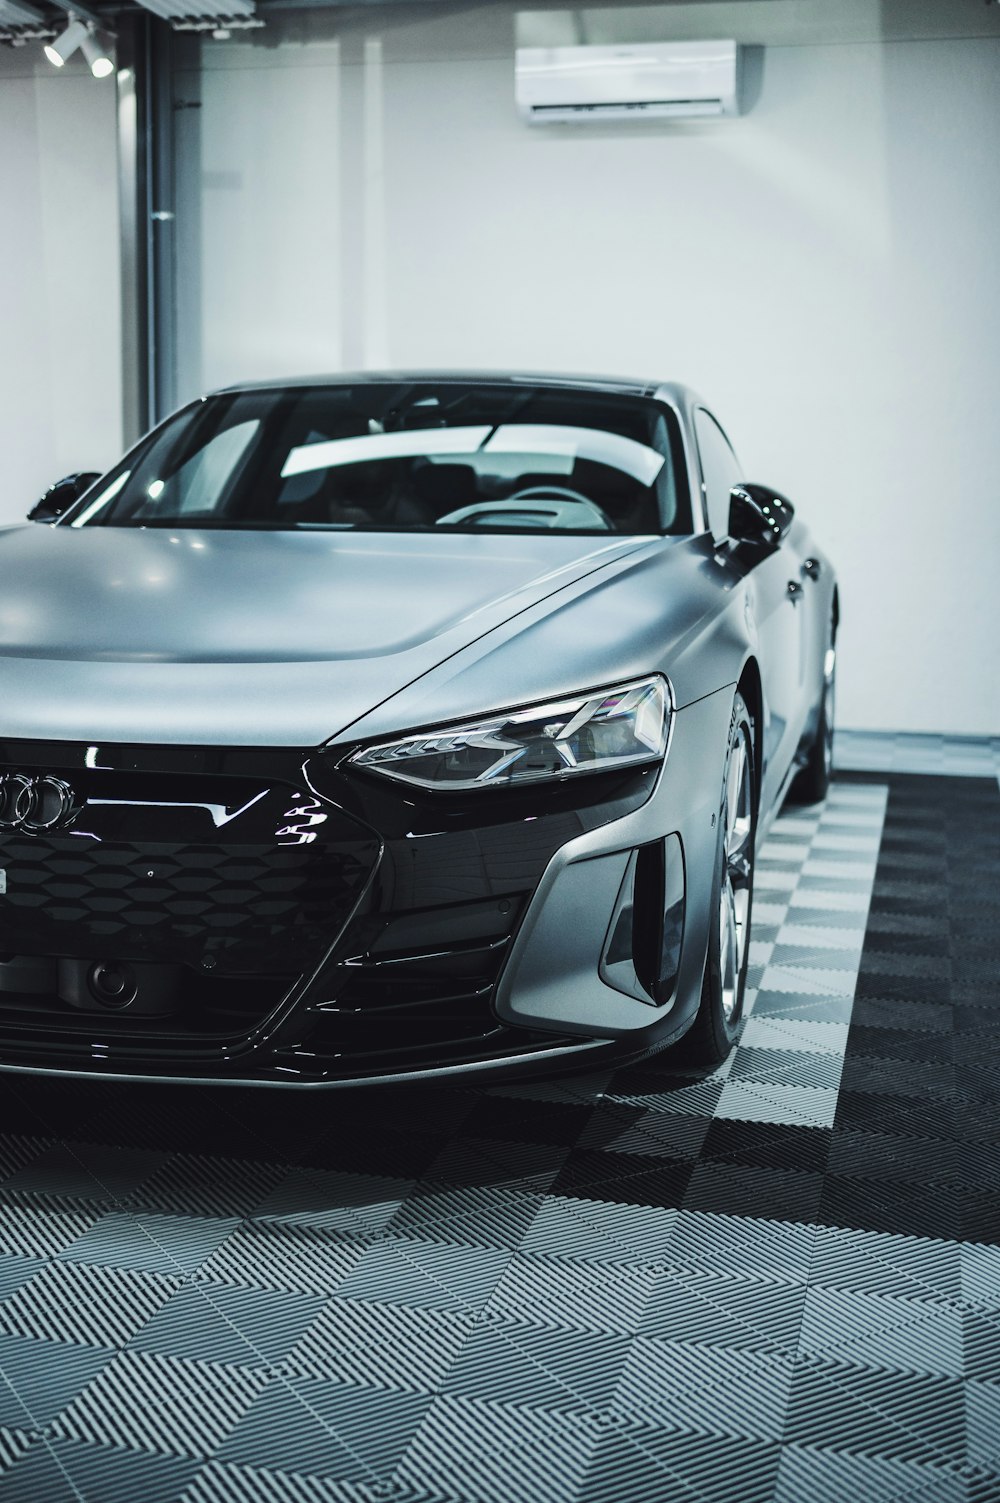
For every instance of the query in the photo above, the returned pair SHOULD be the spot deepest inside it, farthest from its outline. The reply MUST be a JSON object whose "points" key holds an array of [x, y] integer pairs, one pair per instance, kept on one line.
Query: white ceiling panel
{"points": [[17, 13]]}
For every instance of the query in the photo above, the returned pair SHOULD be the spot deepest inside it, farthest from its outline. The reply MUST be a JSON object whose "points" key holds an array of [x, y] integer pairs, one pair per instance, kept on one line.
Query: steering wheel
{"points": [[561, 493]]}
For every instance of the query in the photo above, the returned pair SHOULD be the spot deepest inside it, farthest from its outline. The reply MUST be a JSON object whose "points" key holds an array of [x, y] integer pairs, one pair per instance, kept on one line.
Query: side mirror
{"points": [[60, 497], [758, 515]]}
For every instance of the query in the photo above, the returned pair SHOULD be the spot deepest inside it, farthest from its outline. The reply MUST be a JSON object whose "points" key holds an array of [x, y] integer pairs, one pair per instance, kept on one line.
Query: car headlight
{"points": [[625, 726]]}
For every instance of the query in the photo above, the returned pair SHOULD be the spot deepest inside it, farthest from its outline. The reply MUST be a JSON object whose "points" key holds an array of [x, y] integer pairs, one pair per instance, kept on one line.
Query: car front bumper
{"points": [[284, 922]]}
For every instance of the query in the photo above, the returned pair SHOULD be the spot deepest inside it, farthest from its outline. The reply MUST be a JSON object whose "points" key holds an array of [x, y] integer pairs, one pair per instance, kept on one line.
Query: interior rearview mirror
{"points": [[60, 497], [758, 515]]}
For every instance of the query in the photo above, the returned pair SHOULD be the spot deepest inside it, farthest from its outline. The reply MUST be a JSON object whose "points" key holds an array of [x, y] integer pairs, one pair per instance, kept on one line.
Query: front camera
{"points": [[112, 983]]}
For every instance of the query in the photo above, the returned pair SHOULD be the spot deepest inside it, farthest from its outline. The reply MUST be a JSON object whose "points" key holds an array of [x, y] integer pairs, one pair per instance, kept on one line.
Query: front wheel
{"points": [[715, 1029]]}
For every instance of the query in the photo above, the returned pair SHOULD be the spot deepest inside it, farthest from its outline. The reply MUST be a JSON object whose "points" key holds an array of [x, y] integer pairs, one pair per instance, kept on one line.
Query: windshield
{"points": [[385, 456]]}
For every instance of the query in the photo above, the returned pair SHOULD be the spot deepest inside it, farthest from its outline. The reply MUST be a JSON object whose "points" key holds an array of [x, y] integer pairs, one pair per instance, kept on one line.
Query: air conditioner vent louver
{"points": [[663, 80]]}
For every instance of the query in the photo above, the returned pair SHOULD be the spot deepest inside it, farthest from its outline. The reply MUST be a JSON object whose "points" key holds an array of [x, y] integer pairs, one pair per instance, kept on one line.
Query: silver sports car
{"points": [[398, 725]]}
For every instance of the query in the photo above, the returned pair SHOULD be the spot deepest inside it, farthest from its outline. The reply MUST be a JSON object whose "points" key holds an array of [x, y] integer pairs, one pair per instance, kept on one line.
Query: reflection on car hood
{"points": [[260, 638]]}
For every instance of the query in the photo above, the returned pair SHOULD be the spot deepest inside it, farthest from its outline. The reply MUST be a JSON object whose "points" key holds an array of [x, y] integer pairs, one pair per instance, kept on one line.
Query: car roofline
{"points": [[669, 391]]}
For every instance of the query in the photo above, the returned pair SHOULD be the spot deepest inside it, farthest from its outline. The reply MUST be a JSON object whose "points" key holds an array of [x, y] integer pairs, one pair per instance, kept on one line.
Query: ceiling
{"points": [[754, 22]]}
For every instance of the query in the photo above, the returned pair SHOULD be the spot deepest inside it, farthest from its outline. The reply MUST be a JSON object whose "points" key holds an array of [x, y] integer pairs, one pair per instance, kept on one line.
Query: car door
{"points": [[773, 607]]}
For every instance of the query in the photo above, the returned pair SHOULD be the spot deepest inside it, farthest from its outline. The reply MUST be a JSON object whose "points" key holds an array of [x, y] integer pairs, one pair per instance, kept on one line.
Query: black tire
{"points": [[716, 1028], [812, 784]]}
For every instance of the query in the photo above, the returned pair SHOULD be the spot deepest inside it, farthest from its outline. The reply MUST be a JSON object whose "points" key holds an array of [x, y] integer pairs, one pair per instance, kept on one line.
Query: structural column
{"points": [[146, 210]]}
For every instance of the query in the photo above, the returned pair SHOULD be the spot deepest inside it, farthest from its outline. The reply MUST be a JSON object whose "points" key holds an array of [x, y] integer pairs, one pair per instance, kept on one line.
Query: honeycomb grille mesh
{"points": [[238, 910]]}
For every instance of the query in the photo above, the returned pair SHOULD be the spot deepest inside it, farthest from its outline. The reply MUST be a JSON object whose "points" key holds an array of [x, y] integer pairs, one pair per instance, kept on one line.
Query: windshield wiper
{"points": [[200, 524]]}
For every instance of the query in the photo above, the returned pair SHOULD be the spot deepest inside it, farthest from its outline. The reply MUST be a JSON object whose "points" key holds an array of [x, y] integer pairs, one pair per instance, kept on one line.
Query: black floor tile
{"points": [[629, 1178], [899, 1043], [980, 1216], [908, 1160], [766, 1145], [497, 1116], [740, 1190], [868, 1075], [904, 1014], [877, 1205]]}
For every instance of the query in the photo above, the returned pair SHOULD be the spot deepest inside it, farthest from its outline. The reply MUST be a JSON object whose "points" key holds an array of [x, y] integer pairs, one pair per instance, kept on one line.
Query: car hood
{"points": [[252, 638]]}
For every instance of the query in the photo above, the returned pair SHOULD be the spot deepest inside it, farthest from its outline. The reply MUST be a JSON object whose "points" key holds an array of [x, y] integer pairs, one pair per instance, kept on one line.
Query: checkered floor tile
{"points": [[780, 1281], [910, 752]]}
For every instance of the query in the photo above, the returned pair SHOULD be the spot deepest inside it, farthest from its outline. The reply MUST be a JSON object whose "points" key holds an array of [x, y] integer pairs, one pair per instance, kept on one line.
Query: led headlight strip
{"points": [[625, 726]]}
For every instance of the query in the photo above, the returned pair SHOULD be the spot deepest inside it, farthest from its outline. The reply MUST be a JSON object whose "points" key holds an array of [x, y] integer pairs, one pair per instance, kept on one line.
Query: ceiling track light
{"points": [[97, 50], [94, 45], [62, 48]]}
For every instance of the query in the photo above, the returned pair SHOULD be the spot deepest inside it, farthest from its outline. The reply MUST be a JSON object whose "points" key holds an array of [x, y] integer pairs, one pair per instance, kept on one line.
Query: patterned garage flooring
{"points": [[908, 751], [781, 1281]]}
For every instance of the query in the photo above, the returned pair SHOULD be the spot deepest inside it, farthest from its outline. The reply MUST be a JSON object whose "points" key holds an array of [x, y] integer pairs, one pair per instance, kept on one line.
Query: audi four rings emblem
{"points": [[35, 805]]}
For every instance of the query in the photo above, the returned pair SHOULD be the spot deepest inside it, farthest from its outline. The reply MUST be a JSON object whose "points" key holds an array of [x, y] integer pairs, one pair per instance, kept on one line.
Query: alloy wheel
{"points": [[829, 704], [737, 873]]}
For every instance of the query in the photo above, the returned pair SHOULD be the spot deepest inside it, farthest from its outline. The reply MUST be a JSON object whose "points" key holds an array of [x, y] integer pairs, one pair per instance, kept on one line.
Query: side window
{"points": [[720, 471]]}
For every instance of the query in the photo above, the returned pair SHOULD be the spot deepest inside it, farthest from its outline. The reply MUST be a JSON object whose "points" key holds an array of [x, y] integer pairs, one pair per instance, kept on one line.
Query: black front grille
{"points": [[218, 880], [228, 875], [234, 909]]}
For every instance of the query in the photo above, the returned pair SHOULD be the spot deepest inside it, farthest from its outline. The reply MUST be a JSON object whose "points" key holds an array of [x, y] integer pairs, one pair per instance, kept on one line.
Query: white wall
{"points": [[823, 269], [60, 383], [259, 215]]}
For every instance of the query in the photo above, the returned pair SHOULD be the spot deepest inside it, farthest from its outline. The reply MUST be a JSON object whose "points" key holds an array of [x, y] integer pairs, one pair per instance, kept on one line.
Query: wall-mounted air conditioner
{"points": [[632, 82]]}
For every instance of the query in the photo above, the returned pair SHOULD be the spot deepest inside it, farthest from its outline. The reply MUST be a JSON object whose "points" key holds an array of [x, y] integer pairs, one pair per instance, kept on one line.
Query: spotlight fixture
{"points": [[64, 46], [94, 45], [97, 51]]}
